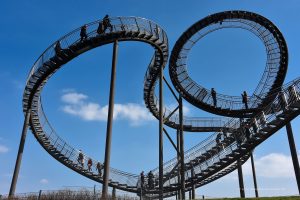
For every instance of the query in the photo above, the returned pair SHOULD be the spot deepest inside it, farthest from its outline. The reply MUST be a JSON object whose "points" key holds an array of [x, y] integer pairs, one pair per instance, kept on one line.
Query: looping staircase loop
{"points": [[209, 160]]}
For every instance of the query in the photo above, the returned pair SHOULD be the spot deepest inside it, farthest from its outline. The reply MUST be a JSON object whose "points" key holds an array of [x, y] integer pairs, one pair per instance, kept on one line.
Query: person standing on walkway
{"points": [[80, 158], [106, 23], [245, 99], [83, 34], [142, 179], [99, 169], [89, 164], [57, 48], [151, 180]]}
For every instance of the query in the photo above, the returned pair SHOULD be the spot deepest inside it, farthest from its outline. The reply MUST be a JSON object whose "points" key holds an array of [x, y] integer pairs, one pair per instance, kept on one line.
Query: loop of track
{"points": [[209, 161], [273, 76]]}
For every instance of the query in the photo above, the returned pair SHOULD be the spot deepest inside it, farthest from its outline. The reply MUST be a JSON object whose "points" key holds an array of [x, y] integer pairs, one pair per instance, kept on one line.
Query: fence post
{"points": [[95, 197], [40, 194]]}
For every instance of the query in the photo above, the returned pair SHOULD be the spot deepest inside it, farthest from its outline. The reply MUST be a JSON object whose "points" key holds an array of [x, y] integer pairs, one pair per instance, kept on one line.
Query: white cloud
{"points": [[44, 181], [3, 149], [274, 165], [73, 98], [77, 104]]}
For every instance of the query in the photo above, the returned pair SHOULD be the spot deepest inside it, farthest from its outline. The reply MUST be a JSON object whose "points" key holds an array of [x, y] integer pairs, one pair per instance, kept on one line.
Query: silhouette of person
{"points": [[106, 23], [89, 164], [142, 179], [247, 130], [218, 138], [100, 28], [80, 158], [57, 48], [150, 180], [214, 96], [245, 99], [99, 168], [83, 34]]}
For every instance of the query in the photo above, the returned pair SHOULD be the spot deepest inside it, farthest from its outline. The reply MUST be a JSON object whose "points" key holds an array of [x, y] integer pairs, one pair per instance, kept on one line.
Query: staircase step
{"points": [[295, 105], [266, 129], [275, 122]]}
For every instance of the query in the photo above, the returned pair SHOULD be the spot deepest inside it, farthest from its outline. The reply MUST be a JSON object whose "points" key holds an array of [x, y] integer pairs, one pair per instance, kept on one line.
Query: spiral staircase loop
{"points": [[208, 159], [232, 106]]}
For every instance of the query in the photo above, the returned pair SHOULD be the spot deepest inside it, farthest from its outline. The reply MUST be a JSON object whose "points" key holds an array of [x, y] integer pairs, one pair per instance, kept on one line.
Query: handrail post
{"points": [[109, 122], [20, 154]]}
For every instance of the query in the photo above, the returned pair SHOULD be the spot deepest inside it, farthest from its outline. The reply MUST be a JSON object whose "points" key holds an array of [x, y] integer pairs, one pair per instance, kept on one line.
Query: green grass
{"points": [[262, 198]]}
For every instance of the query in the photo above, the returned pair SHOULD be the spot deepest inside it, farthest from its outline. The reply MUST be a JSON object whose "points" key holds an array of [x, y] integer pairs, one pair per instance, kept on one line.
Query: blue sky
{"points": [[229, 60]]}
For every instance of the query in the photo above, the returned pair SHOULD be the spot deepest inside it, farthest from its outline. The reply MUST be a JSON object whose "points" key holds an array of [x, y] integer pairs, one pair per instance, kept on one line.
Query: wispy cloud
{"points": [[44, 181], [274, 165], [3, 149], [77, 104], [74, 98]]}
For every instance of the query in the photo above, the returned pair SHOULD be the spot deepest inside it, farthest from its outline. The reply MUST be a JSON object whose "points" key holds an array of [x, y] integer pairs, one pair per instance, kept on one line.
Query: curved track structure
{"points": [[273, 76], [276, 105]]}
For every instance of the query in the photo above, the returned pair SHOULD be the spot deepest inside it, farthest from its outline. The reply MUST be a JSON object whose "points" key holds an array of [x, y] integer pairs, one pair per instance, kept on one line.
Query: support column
{"points": [[193, 192], [190, 194], [193, 184], [293, 153], [20, 154], [254, 175], [161, 126], [181, 149], [109, 122], [178, 160], [95, 195], [241, 181]]}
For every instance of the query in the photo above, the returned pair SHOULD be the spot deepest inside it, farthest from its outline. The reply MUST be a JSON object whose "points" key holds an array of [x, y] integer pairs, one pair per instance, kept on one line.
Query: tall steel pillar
{"points": [[254, 175], [193, 184], [291, 140], [109, 122], [293, 153], [182, 177], [161, 134], [241, 181], [178, 160], [193, 192], [20, 154]]}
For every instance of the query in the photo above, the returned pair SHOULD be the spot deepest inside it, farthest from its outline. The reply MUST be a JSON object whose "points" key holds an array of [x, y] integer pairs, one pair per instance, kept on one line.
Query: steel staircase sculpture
{"points": [[275, 106]]}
